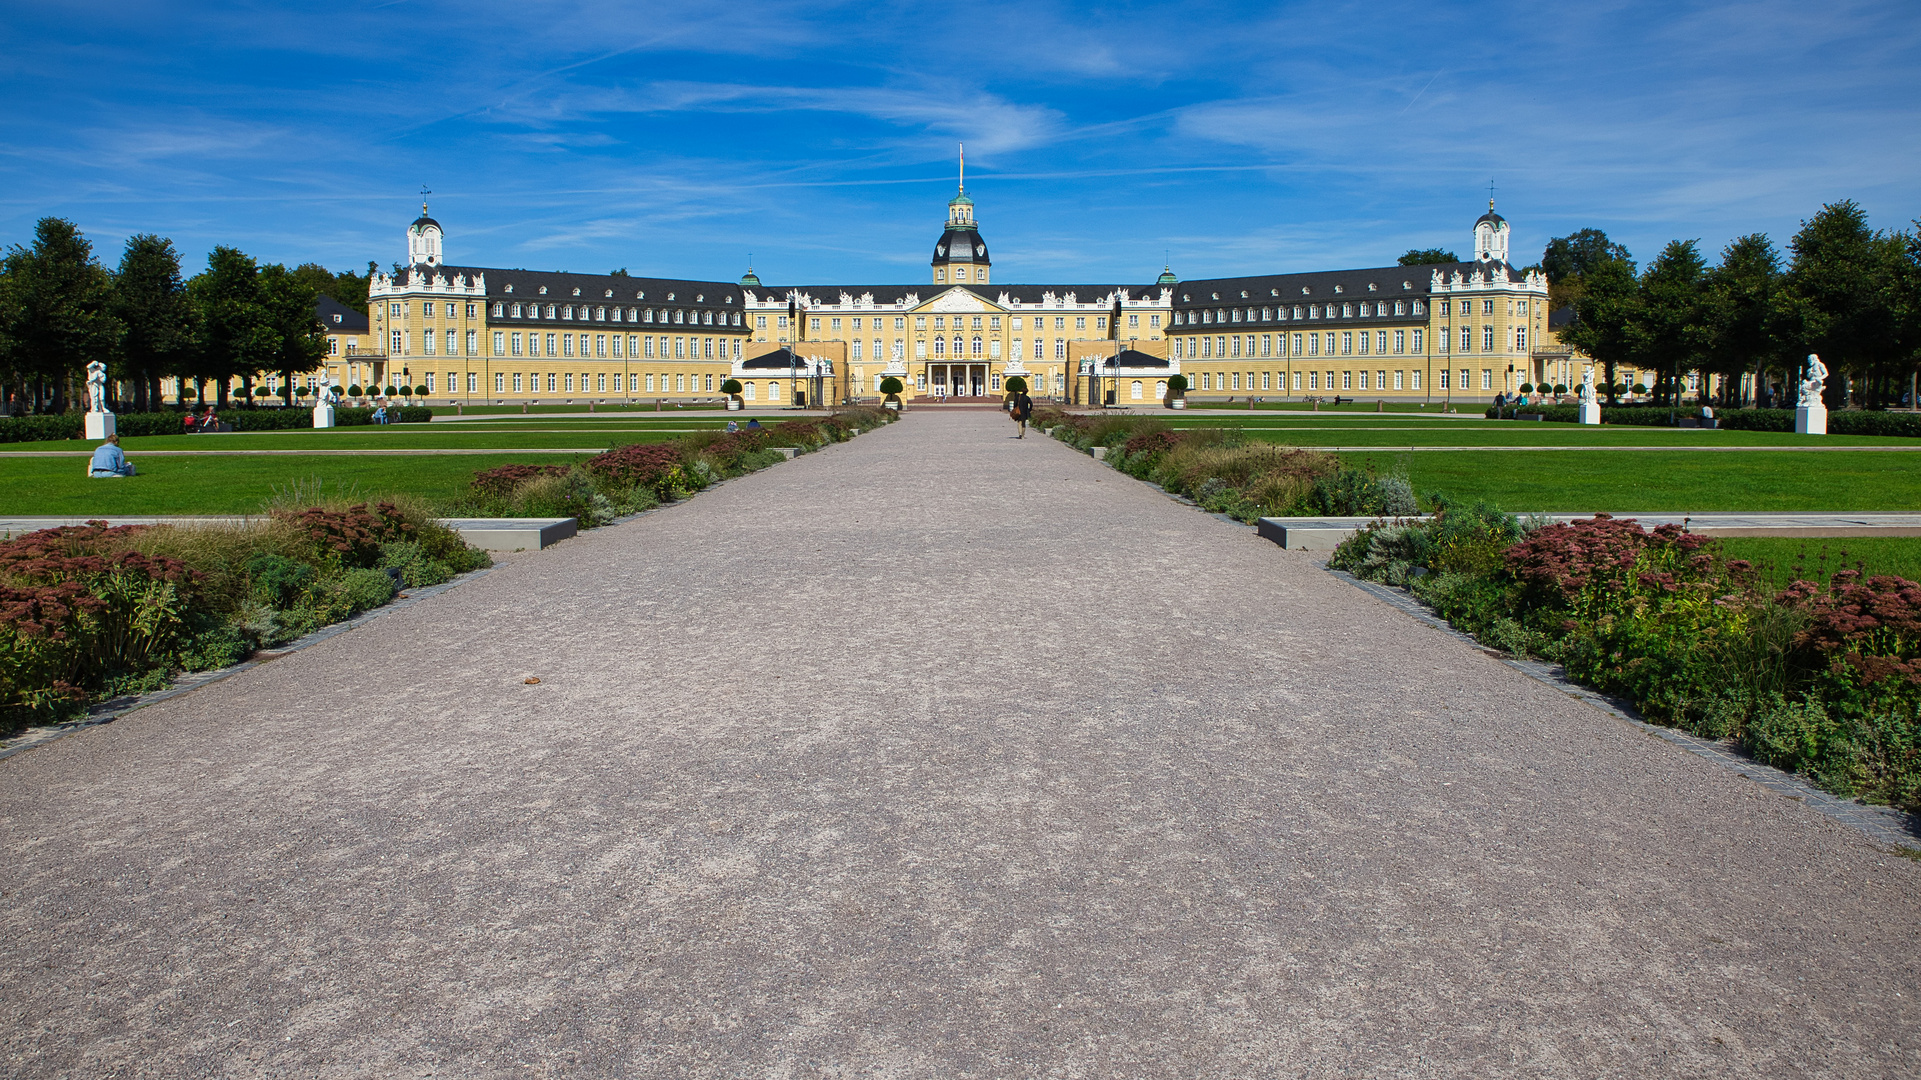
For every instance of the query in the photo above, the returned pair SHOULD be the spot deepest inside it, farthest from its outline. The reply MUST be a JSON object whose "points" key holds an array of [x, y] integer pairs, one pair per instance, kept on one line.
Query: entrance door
{"points": [[979, 373]]}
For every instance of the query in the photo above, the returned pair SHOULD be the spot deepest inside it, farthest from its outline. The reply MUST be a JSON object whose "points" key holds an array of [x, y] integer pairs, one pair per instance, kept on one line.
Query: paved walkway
{"points": [[937, 754]]}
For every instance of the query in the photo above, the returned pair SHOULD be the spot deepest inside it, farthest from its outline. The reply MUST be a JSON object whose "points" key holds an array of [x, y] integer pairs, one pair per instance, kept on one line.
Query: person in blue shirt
{"points": [[108, 460]]}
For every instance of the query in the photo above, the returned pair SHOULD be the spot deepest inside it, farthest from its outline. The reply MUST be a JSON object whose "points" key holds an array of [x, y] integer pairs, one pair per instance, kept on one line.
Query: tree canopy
{"points": [[1427, 257]]}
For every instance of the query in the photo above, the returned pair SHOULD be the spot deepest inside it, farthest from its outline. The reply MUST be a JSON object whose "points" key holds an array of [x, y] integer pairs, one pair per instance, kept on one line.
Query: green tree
{"points": [[1607, 314], [347, 287], [150, 300], [237, 333], [1427, 257], [1567, 260], [1673, 328], [1839, 299], [1741, 307], [301, 341], [56, 315]]}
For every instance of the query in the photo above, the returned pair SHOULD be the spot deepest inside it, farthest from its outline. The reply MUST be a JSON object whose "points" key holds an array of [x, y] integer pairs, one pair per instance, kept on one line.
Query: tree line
{"points": [[1846, 291], [61, 309]]}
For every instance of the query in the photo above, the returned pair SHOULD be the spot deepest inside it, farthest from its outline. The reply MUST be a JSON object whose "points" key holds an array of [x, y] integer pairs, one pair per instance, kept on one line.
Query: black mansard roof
{"points": [[895, 296], [337, 318], [1321, 286], [584, 288]]}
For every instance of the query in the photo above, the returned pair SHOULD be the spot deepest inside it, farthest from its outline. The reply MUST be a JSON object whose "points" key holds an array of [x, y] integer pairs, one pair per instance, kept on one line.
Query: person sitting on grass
{"points": [[753, 425], [209, 421], [380, 415], [108, 460]]}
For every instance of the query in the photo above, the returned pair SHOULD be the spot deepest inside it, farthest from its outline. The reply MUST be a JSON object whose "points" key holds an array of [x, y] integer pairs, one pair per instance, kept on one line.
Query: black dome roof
{"points": [[961, 245], [1491, 217], [423, 220]]}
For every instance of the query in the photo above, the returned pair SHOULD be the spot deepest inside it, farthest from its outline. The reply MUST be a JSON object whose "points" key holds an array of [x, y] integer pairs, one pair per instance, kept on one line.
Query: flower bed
{"points": [[1823, 678], [1227, 473], [637, 476], [90, 612]]}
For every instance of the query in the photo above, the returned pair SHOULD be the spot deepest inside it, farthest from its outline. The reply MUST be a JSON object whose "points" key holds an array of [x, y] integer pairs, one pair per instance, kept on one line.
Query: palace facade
{"points": [[486, 334]]}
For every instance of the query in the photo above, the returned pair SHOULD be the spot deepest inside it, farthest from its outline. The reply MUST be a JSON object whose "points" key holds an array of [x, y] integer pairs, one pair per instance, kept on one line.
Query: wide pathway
{"points": [[937, 754]]}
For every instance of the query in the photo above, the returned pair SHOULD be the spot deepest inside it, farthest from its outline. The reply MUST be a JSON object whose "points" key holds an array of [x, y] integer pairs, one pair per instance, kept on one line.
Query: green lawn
{"points": [[1666, 481], [364, 439], [233, 485], [1782, 560], [1383, 430]]}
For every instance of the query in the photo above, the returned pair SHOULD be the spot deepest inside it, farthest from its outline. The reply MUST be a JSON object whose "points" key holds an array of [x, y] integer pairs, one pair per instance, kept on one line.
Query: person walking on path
{"points": [[1022, 410], [109, 460]]}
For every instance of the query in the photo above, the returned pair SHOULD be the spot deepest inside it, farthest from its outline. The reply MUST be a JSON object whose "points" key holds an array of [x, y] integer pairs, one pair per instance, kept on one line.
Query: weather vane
{"points": [[423, 198]]}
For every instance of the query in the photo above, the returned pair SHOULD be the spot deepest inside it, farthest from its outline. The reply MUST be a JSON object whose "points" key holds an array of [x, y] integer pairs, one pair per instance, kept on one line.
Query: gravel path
{"points": [[939, 755]]}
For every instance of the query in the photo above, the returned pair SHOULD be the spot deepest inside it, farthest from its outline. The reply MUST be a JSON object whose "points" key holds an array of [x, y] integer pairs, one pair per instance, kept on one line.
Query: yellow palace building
{"points": [[467, 334]]}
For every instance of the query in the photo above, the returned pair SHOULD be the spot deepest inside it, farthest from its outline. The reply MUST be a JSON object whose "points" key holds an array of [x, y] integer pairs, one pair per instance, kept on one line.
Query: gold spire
{"points": [[963, 168]]}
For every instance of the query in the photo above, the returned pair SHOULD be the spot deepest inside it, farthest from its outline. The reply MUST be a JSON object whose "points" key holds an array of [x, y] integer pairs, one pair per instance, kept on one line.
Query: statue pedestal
{"points": [[1811, 419], [323, 416], [100, 425], [1590, 412]]}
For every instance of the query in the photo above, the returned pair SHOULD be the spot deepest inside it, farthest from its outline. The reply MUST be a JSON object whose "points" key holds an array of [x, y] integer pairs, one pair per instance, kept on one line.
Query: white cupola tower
{"points": [[1490, 236], [423, 240]]}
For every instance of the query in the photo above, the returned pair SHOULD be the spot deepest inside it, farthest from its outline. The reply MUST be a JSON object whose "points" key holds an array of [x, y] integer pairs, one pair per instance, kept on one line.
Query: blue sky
{"points": [[675, 140]]}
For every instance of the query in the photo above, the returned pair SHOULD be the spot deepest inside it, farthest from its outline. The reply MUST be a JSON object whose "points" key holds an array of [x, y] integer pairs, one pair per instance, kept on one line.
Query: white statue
{"points": [[1587, 385], [97, 387], [1813, 383]]}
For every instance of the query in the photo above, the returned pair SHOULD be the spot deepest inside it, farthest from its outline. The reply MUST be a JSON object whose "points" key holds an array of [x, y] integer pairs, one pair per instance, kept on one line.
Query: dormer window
{"points": [[610, 294], [543, 290], [1305, 290], [1273, 292], [1243, 294], [509, 288], [1339, 289], [576, 290], [670, 296], [1407, 284], [336, 318], [699, 298], [1371, 287]]}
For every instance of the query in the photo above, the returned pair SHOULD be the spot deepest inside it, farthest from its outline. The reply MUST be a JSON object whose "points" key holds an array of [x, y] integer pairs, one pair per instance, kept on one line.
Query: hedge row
{"points": [[1848, 422], [71, 425]]}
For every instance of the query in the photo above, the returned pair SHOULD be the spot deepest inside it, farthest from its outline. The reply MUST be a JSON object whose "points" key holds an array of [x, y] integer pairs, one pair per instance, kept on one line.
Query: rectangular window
{"points": [[1347, 380], [1313, 380], [1399, 380], [1462, 384], [1237, 380], [1487, 339], [1400, 343], [500, 380], [1444, 379], [680, 381], [1363, 343], [1417, 380], [516, 382], [1267, 345], [1080, 322], [1417, 345], [1487, 378], [1380, 342], [550, 382], [394, 344], [1487, 307], [1467, 339], [600, 345], [1520, 337], [570, 382], [1313, 344], [550, 345], [473, 382], [650, 382], [1347, 343], [429, 384], [1380, 380], [516, 345], [1297, 380]]}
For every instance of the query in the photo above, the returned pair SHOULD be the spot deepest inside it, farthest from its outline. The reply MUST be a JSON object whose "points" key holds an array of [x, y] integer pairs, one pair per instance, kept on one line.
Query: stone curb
{"points": [[1886, 824]]}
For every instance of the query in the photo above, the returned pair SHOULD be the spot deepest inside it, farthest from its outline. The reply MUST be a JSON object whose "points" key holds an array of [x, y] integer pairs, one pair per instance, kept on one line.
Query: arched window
{"points": [[957, 347], [980, 346], [1160, 388], [747, 391], [940, 346], [1137, 389]]}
